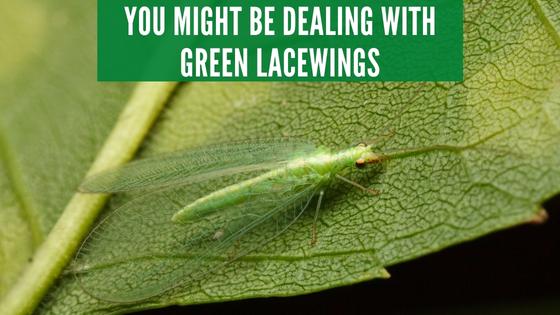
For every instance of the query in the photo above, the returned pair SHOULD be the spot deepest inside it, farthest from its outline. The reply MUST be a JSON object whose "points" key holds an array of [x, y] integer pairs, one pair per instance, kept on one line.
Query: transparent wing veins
{"points": [[199, 248], [195, 166]]}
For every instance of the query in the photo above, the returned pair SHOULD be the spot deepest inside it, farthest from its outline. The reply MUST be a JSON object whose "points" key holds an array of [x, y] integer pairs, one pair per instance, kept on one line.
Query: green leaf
{"points": [[54, 117], [16, 243], [506, 114]]}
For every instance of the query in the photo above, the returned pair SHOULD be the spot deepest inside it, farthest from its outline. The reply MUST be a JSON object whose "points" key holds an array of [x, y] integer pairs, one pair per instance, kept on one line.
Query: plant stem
{"points": [[144, 106]]}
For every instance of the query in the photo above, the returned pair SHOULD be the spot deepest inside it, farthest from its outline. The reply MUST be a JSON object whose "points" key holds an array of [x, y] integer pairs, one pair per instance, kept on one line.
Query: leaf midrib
{"points": [[137, 117], [246, 258]]}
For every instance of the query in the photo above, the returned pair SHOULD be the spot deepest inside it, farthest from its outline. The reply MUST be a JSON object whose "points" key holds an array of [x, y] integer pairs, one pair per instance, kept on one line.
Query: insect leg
{"points": [[314, 227], [353, 183]]}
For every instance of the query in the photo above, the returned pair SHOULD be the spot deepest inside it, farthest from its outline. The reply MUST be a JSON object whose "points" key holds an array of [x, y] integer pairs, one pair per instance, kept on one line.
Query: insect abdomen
{"points": [[293, 176], [227, 196]]}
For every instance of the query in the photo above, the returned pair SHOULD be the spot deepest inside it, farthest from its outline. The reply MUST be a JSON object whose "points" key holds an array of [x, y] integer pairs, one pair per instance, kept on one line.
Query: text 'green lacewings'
{"points": [[202, 209]]}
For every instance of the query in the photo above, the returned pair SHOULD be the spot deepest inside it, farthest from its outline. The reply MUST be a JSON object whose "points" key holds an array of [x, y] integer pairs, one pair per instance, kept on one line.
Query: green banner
{"points": [[283, 40]]}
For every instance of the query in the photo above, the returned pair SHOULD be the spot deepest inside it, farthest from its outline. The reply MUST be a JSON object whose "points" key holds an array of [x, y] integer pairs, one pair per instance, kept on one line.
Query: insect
{"points": [[273, 183]]}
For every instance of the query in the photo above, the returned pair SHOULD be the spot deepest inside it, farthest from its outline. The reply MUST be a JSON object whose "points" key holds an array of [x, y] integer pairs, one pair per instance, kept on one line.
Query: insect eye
{"points": [[360, 163]]}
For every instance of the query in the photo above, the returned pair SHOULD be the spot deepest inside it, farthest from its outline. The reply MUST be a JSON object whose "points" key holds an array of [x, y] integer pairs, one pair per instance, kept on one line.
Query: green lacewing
{"points": [[271, 183], [198, 210]]}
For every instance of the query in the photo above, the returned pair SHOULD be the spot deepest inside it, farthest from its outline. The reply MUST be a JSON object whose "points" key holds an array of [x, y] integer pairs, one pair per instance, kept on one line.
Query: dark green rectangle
{"points": [[408, 57]]}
